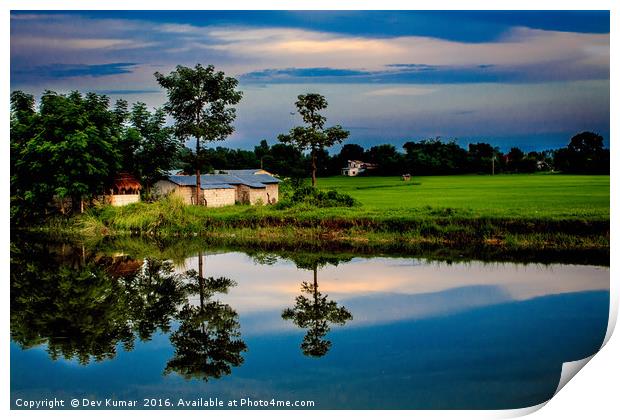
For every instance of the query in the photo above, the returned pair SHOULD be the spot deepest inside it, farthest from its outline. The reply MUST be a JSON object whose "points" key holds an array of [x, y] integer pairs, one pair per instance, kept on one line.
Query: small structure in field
{"points": [[223, 188], [356, 167], [406, 177], [125, 189]]}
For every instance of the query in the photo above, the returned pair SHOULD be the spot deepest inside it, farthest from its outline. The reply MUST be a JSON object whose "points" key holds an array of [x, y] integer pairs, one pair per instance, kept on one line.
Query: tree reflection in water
{"points": [[207, 343], [82, 307], [78, 309], [315, 313]]}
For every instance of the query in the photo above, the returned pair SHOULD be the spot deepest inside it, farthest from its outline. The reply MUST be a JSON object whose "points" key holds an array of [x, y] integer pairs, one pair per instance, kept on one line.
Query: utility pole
{"points": [[493, 165]]}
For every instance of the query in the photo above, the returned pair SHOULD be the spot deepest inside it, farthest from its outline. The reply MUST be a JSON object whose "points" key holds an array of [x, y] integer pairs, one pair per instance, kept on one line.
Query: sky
{"points": [[525, 79]]}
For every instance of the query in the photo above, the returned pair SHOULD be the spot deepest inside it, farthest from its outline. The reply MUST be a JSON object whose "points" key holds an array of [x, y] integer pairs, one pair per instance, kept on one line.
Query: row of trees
{"points": [[584, 154], [72, 146]]}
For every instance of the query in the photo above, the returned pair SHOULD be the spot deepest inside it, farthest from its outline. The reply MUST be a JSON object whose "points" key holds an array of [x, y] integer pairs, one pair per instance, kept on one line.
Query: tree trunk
{"points": [[198, 200], [313, 154], [77, 206], [201, 283], [315, 293]]}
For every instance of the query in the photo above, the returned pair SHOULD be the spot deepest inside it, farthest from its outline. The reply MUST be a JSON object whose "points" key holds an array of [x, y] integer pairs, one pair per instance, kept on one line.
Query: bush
{"points": [[309, 196]]}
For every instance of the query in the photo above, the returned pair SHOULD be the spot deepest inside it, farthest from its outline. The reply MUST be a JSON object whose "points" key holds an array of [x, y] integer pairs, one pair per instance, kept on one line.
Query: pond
{"points": [[325, 331]]}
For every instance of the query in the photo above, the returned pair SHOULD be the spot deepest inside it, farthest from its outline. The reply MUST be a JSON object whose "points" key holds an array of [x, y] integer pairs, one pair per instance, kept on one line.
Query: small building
{"points": [[356, 167], [224, 188], [125, 189]]}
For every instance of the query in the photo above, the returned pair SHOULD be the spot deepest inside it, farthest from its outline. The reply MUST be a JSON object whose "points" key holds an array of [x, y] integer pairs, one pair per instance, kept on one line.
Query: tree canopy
{"points": [[200, 100], [313, 136]]}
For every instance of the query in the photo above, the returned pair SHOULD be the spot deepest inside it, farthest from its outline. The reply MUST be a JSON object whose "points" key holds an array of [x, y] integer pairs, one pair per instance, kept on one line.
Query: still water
{"points": [[342, 332]]}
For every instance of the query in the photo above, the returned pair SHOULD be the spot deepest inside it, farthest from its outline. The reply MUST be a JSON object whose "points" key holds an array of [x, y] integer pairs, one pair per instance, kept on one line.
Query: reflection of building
{"points": [[224, 188], [122, 265], [356, 167]]}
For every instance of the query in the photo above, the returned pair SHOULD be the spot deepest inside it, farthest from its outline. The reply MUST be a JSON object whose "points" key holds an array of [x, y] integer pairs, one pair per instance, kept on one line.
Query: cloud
{"points": [[516, 81], [428, 74], [62, 71], [278, 54], [401, 91], [304, 48]]}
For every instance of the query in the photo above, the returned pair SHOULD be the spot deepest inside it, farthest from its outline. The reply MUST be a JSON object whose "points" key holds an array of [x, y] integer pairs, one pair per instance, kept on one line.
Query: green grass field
{"points": [[563, 217], [537, 195]]}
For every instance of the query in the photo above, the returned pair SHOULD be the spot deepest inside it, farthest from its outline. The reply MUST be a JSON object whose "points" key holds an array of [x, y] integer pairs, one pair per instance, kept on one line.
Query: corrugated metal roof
{"points": [[190, 181], [230, 178], [253, 175]]}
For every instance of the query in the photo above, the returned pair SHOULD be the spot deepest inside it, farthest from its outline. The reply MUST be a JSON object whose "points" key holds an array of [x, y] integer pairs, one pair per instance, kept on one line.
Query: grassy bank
{"points": [[506, 214]]}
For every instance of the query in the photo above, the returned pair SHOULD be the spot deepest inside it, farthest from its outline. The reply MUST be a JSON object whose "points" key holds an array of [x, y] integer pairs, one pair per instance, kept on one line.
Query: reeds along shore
{"points": [[350, 229]]}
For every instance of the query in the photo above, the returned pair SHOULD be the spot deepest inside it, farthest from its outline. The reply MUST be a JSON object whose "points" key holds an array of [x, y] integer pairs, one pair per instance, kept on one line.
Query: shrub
{"points": [[312, 197]]}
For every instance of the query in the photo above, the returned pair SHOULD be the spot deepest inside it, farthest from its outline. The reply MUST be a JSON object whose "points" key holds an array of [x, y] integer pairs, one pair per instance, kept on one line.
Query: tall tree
{"points": [[200, 99], [313, 136]]}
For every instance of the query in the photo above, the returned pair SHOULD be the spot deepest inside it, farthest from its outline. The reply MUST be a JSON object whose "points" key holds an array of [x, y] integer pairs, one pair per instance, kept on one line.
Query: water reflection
{"points": [[418, 334], [155, 292], [207, 343], [315, 313], [79, 310], [83, 307]]}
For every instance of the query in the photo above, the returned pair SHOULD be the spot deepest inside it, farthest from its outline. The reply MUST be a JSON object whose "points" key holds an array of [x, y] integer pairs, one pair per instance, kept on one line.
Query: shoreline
{"points": [[453, 236]]}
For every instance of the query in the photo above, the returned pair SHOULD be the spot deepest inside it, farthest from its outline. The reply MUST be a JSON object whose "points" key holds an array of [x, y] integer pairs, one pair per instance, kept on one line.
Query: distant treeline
{"points": [[585, 154], [74, 145]]}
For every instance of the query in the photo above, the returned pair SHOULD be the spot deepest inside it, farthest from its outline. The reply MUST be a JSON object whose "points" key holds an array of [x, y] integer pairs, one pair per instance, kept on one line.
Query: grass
{"points": [[536, 195], [500, 214]]}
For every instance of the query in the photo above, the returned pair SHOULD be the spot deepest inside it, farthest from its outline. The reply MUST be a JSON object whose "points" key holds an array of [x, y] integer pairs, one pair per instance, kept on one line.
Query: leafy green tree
{"points": [[314, 136], [387, 159], [261, 151], [200, 100], [66, 149], [435, 157], [285, 160], [585, 154], [483, 158], [514, 160], [154, 147], [24, 126]]}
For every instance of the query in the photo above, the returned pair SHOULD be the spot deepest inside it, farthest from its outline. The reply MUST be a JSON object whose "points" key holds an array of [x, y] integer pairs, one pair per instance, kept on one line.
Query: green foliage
{"points": [[200, 100], [294, 192], [68, 148], [585, 154], [313, 136], [313, 197], [150, 147], [73, 145]]}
